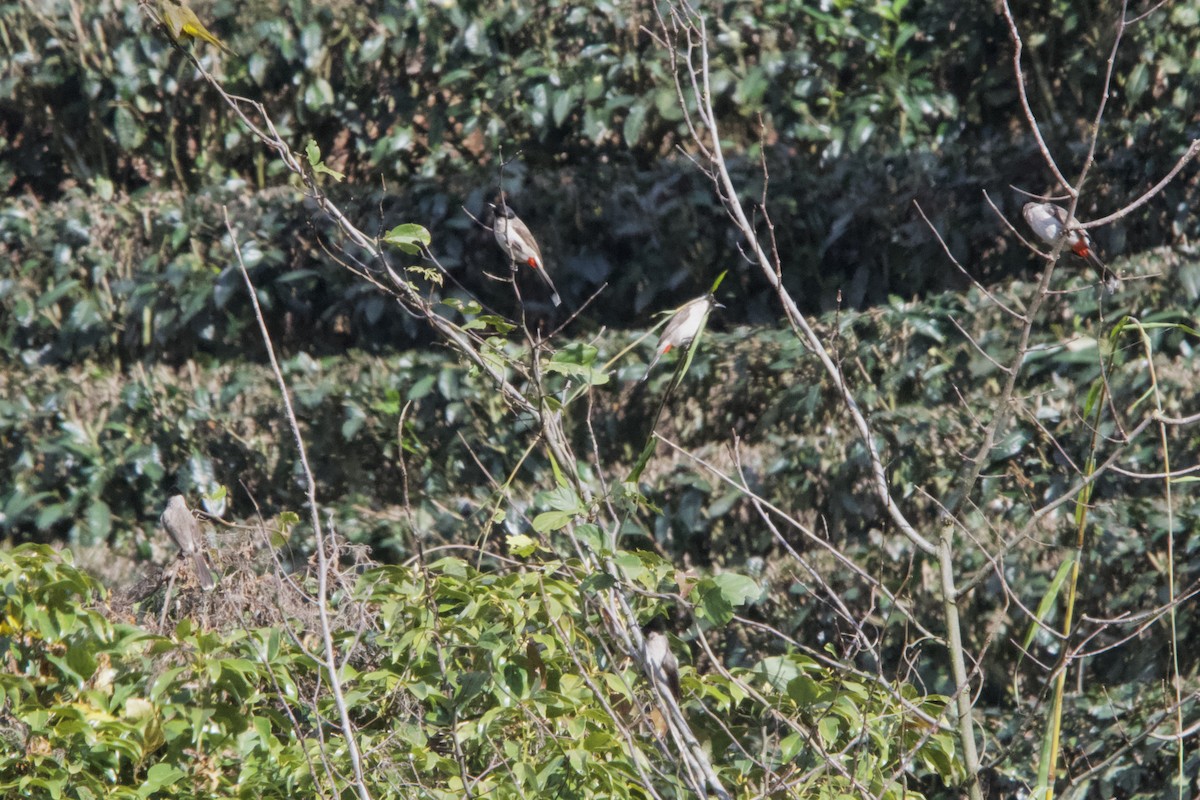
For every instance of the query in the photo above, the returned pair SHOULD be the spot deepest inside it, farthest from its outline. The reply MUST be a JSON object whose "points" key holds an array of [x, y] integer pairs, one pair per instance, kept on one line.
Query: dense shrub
{"points": [[866, 108], [133, 373], [449, 672]]}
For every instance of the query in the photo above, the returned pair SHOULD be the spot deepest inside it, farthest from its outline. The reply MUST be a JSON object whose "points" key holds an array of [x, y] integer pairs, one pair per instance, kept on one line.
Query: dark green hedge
{"points": [[867, 108], [97, 448]]}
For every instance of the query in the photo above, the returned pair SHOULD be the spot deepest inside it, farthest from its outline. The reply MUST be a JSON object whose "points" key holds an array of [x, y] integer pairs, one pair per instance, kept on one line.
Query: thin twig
{"points": [[330, 662]]}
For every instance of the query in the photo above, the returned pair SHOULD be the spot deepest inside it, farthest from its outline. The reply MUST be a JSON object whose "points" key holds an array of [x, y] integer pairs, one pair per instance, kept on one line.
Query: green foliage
{"points": [[457, 670], [79, 714], [94, 448], [92, 444], [118, 160], [860, 109], [313, 153], [408, 237]]}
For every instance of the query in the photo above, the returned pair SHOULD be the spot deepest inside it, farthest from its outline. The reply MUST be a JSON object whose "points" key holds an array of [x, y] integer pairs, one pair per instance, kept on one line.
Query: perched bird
{"points": [[518, 244], [185, 532], [1049, 221], [683, 327], [182, 23], [664, 668]]}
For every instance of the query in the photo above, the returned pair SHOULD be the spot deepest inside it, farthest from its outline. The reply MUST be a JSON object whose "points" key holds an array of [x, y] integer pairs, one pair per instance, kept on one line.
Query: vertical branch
{"points": [[332, 668], [958, 664], [1171, 588], [1051, 742], [686, 18], [1019, 46]]}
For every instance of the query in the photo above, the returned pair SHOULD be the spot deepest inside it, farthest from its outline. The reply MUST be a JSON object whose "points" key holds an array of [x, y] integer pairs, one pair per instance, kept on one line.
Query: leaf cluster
{"points": [[865, 107], [497, 675]]}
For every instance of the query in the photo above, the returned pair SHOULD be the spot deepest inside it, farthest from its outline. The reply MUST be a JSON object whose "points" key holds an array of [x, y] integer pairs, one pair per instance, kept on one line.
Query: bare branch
{"points": [[330, 661], [1015, 35]]}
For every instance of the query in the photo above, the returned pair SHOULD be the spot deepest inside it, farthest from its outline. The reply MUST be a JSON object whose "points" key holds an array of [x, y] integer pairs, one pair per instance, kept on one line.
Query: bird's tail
{"points": [[211, 38], [205, 575], [657, 355], [554, 298]]}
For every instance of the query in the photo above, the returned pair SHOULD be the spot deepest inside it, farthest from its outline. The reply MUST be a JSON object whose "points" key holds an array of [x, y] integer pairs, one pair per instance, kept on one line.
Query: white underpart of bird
{"points": [[185, 532], [518, 244], [682, 328], [664, 667], [1049, 220]]}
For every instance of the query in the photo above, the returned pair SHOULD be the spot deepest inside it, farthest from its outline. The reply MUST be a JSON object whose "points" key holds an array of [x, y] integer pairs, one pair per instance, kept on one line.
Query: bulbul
{"points": [[185, 532], [1048, 222], [182, 23], [683, 327], [664, 668], [518, 244]]}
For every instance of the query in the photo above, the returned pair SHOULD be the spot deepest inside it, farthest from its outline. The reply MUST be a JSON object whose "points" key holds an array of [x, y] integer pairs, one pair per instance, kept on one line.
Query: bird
{"points": [[185, 532], [518, 244], [182, 23], [1049, 221], [683, 327], [664, 667]]}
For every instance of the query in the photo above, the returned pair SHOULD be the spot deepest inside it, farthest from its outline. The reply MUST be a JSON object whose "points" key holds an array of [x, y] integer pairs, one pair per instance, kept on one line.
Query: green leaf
{"points": [[778, 671], [430, 274], [738, 589], [469, 308], [630, 565], [829, 727], [635, 120], [591, 535], [313, 152], [521, 545], [578, 360], [130, 134], [158, 777], [485, 321], [563, 104], [552, 521], [713, 606], [1136, 83], [104, 188], [318, 95], [1048, 600], [792, 746], [563, 498], [409, 237], [804, 690], [720, 594]]}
